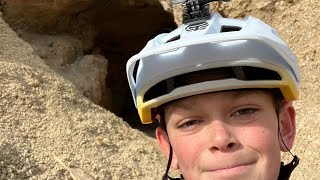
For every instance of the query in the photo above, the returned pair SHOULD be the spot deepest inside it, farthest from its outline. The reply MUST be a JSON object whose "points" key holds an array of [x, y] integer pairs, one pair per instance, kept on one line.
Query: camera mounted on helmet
{"points": [[195, 10]]}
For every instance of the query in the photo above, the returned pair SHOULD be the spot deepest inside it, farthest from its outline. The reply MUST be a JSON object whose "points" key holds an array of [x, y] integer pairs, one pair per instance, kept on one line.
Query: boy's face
{"points": [[227, 135]]}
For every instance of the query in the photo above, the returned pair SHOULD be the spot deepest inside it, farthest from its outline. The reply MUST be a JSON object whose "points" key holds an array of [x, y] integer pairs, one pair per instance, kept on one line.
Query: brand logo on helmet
{"points": [[196, 27]]}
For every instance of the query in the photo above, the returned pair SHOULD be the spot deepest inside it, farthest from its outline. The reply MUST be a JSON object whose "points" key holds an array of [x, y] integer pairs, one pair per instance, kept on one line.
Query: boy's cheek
{"points": [[259, 136], [188, 149]]}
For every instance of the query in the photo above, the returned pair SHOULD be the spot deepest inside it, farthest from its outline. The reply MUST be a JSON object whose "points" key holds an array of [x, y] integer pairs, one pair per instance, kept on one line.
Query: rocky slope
{"points": [[44, 120]]}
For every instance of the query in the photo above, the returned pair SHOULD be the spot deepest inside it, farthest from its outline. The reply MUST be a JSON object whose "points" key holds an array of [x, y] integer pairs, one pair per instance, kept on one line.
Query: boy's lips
{"points": [[230, 168]]}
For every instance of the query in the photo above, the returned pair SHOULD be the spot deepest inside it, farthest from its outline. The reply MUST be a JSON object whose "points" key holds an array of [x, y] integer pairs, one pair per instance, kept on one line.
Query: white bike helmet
{"points": [[229, 53]]}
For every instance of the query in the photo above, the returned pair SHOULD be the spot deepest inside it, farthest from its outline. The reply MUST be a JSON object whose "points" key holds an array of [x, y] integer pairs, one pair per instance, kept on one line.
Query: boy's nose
{"points": [[222, 137]]}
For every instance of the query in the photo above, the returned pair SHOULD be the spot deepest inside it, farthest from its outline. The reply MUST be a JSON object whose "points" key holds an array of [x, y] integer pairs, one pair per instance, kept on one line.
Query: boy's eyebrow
{"points": [[183, 105], [242, 93]]}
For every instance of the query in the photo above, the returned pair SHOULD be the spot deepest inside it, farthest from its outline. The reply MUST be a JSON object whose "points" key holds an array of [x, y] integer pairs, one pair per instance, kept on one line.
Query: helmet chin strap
{"points": [[166, 176], [285, 170]]}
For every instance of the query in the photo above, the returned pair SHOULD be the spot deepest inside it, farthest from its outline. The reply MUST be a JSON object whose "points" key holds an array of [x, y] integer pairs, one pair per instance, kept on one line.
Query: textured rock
{"points": [[65, 55], [57, 51], [40, 14], [43, 117], [112, 28], [92, 83]]}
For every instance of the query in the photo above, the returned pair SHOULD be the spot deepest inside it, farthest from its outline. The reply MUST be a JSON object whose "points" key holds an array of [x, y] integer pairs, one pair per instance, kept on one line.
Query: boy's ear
{"points": [[287, 118], [164, 143]]}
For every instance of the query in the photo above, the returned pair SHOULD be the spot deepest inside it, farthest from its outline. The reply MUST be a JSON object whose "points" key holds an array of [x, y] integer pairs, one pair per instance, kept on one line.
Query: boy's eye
{"points": [[245, 111], [189, 124]]}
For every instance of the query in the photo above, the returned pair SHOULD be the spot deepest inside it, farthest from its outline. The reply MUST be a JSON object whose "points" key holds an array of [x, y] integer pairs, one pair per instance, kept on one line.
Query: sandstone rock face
{"points": [[91, 84], [45, 120], [64, 54], [51, 17], [62, 31], [43, 15], [57, 51], [75, 51]]}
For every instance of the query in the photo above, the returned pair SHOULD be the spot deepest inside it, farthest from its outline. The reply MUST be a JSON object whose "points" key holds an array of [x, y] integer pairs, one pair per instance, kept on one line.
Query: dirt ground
{"points": [[51, 131]]}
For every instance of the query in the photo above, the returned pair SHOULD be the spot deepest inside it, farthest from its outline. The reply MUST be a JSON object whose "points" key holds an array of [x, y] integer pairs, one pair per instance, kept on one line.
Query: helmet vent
{"points": [[244, 73], [230, 28], [173, 39], [135, 70]]}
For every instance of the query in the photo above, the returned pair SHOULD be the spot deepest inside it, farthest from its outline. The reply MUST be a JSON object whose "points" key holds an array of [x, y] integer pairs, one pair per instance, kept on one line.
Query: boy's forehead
{"points": [[189, 102]]}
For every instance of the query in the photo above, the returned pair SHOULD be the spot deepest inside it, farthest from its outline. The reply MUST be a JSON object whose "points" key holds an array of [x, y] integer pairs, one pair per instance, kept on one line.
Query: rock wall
{"points": [[51, 131], [63, 51], [61, 32]]}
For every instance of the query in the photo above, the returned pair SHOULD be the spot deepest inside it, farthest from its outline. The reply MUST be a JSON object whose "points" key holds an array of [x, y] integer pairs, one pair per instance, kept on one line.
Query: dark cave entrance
{"points": [[121, 36]]}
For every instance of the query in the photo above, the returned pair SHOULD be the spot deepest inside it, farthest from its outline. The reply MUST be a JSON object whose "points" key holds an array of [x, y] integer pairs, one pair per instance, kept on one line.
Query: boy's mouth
{"points": [[232, 169]]}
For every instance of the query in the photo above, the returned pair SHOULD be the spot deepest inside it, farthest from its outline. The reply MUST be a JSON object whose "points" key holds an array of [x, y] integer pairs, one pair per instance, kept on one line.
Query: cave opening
{"points": [[130, 29]]}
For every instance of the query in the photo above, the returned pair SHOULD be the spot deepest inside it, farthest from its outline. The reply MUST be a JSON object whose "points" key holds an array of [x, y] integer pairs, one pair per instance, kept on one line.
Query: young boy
{"points": [[222, 90]]}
